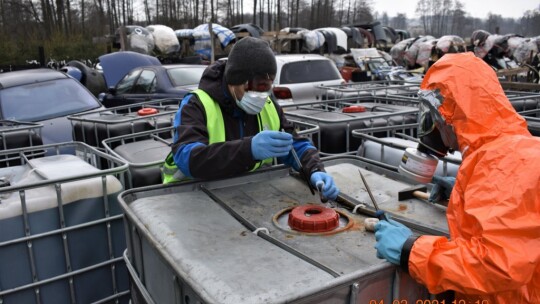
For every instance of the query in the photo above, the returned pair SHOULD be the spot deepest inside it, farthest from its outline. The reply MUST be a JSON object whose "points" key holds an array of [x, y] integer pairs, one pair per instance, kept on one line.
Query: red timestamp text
{"points": [[428, 302]]}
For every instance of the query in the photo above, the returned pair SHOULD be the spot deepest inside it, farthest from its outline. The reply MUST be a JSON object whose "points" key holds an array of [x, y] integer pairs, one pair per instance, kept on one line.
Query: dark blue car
{"points": [[133, 78]]}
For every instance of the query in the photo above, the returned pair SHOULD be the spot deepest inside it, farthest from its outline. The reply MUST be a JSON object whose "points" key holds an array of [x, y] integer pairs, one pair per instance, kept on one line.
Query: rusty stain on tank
{"points": [[356, 225], [289, 201], [402, 207]]}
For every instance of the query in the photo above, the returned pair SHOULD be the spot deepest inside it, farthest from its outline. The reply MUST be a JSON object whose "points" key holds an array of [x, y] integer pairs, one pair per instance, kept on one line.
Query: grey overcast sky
{"points": [[476, 8]]}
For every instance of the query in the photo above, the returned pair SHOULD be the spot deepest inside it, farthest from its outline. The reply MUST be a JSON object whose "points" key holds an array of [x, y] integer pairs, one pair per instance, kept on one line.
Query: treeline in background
{"points": [[74, 29]]}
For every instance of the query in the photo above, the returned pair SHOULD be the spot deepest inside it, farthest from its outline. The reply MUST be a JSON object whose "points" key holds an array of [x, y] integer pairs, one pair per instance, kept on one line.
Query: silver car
{"points": [[299, 77]]}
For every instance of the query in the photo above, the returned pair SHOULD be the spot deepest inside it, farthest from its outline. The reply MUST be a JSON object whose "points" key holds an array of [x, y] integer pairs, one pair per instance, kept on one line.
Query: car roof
{"points": [[16, 78], [169, 67], [173, 66], [286, 58]]}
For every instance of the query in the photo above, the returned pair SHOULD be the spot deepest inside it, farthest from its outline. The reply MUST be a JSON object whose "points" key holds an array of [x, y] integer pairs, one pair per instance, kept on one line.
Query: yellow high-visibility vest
{"points": [[268, 120]]}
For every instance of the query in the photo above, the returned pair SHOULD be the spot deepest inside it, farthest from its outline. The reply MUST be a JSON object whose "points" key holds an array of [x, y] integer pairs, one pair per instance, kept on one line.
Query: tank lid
{"points": [[354, 109], [147, 111], [313, 218]]}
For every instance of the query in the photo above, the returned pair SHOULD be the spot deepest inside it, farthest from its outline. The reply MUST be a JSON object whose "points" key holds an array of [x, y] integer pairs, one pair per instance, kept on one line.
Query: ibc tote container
{"points": [[337, 123], [228, 240], [93, 128], [61, 231], [18, 134]]}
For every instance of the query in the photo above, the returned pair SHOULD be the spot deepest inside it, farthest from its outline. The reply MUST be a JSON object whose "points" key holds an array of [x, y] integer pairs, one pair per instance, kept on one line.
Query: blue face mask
{"points": [[253, 102]]}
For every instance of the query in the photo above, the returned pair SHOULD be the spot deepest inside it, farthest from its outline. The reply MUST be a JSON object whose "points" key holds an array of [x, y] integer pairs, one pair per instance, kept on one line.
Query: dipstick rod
{"points": [[379, 213], [300, 168]]}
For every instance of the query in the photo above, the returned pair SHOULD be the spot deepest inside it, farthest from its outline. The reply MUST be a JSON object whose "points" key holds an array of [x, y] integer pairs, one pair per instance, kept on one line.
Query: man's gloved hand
{"points": [[329, 191], [442, 187], [268, 144], [390, 236]]}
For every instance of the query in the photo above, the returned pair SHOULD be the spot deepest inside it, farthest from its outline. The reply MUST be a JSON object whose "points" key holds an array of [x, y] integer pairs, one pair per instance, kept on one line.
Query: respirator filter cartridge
{"points": [[418, 166]]}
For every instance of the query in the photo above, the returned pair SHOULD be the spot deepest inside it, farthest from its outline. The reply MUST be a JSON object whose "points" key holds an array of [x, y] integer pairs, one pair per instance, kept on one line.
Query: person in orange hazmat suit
{"points": [[493, 253]]}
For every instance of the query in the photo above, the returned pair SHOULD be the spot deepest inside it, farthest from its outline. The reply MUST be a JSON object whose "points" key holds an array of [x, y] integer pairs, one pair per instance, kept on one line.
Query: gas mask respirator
{"points": [[436, 139]]}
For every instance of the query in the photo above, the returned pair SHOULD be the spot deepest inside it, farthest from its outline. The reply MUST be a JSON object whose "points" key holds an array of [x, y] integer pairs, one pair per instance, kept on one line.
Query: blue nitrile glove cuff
{"points": [[390, 236], [330, 190], [442, 188], [268, 144], [381, 215]]}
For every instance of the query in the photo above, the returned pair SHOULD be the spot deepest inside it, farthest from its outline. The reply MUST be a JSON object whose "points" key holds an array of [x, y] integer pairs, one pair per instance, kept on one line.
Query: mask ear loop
{"points": [[234, 95]]}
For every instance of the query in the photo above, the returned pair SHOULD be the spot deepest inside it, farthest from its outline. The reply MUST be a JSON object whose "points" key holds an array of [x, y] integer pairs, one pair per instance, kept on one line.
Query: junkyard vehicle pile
{"points": [[365, 52]]}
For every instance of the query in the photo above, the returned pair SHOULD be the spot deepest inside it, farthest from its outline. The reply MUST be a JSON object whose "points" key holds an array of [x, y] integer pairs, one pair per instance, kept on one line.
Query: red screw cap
{"points": [[354, 109], [147, 111], [313, 218]]}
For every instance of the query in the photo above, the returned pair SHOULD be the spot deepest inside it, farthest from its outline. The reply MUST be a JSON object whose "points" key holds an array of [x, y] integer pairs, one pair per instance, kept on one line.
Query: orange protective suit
{"points": [[494, 210]]}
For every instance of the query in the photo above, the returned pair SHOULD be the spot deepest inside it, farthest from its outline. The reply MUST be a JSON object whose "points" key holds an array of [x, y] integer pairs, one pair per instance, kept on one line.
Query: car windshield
{"points": [[308, 71], [45, 100], [185, 76]]}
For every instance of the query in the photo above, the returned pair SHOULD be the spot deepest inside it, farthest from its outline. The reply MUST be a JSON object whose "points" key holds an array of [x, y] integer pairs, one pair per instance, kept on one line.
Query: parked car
{"points": [[132, 78], [299, 75], [153, 82], [45, 96]]}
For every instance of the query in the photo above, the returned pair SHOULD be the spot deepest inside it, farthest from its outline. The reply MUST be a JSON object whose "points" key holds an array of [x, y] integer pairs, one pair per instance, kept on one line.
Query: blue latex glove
{"points": [[390, 236], [329, 190], [268, 144], [442, 187]]}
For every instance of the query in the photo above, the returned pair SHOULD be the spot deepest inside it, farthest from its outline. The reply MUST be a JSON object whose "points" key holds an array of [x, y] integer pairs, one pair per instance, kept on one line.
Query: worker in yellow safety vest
{"points": [[230, 124]]}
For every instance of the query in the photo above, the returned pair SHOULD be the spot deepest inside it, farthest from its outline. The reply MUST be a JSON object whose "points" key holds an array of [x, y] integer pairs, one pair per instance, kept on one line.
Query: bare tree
{"points": [[35, 22], [59, 14], [278, 13], [364, 12], [349, 13], [312, 14], [2, 16], [399, 21], [458, 19], [254, 12], [423, 10], [297, 10], [269, 18], [147, 11], [212, 13], [83, 17], [530, 22], [493, 23], [385, 20]]}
